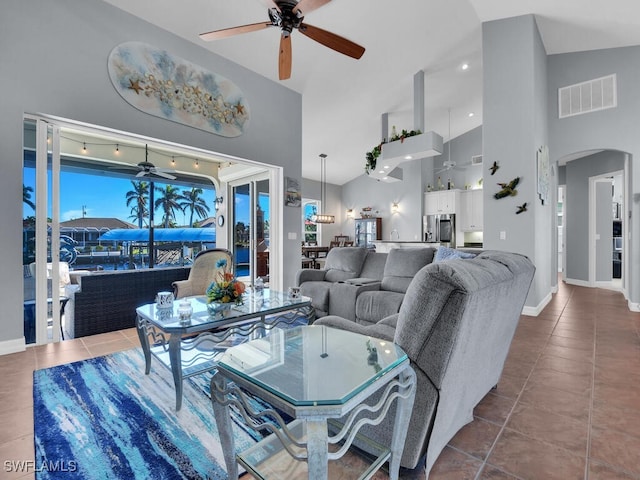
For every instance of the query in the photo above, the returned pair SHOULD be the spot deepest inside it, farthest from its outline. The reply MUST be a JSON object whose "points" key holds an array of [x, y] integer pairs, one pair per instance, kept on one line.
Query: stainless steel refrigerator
{"points": [[440, 228]]}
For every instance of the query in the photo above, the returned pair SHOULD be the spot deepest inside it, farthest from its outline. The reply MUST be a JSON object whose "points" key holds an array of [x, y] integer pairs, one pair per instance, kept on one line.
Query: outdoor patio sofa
{"points": [[456, 323], [107, 300]]}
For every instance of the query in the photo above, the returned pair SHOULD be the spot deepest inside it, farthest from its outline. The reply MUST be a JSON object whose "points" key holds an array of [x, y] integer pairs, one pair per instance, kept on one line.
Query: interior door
{"points": [[251, 226]]}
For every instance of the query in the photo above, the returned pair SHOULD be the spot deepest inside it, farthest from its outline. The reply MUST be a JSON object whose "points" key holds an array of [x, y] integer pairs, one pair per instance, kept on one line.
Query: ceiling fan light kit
{"points": [[288, 15]]}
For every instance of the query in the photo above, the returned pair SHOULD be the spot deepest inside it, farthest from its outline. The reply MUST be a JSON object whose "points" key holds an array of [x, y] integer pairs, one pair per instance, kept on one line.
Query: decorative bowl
{"points": [[215, 308]]}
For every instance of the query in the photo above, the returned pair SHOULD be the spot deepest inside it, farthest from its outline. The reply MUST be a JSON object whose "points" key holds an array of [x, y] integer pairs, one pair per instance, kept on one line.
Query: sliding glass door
{"points": [[41, 232], [251, 228]]}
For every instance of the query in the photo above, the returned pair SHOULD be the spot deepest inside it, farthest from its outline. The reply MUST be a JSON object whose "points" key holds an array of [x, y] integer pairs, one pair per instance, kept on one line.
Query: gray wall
{"points": [[364, 191], [54, 61], [612, 129], [409, 193], [463, 148], [577, 208], [514, 127], [333, 206]]}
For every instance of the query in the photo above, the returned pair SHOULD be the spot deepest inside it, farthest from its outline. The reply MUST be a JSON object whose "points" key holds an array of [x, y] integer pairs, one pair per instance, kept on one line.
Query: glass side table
{"points": [[316, 375], [192, 347]]}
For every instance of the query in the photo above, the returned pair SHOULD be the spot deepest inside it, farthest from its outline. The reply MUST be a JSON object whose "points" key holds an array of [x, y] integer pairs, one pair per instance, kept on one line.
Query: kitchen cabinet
{"points": [[471, 211], [442, 201], [367, 230]]}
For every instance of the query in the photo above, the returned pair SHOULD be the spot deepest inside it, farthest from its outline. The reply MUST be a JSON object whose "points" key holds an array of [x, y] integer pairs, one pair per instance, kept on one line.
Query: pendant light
{"points": [[323, 217]]}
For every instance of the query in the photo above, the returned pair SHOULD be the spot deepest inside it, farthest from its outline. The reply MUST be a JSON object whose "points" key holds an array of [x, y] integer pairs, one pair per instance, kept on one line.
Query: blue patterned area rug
{"points": [[104, 418]]}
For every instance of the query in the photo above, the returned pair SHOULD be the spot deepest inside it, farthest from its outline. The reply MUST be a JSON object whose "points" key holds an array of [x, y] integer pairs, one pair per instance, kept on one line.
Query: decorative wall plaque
{"points": [[161, 84]]}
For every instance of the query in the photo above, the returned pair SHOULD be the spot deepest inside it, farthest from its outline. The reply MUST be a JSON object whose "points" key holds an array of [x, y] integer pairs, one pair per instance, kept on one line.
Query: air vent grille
{"points": [[476, 159], [585, 97]]}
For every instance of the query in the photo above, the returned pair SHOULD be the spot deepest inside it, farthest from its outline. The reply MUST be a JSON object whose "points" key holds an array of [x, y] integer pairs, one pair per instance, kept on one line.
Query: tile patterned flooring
{"points": [[567, 405]]}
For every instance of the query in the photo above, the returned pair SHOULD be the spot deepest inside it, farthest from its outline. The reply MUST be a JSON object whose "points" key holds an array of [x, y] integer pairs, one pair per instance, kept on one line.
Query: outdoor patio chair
{"points": [[203, 272]]}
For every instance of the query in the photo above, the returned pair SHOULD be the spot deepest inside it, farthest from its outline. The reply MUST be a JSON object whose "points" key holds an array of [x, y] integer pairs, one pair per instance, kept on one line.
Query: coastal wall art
{"points": [[166, 86], [542, 161]]}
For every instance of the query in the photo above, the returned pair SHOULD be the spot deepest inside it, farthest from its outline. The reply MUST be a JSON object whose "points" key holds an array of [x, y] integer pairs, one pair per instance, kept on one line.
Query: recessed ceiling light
{"points": [[385, 178], [387, 166], [465, 66], [382, 171], [471, 114], [408, 157]]}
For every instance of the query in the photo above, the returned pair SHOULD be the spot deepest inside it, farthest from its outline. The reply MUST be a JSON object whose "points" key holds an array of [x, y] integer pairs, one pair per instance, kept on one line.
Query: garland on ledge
{"points": [[372, 156]]}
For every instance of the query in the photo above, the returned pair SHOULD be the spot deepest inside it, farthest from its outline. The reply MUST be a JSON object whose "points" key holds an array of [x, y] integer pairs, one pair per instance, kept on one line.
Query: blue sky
{"points": [[104, 196], [101, 197]]}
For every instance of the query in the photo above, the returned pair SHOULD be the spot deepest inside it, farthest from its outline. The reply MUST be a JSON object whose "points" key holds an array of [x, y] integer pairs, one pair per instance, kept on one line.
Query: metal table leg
{"points": [[141, 325], [219, 395], [175, 356]]}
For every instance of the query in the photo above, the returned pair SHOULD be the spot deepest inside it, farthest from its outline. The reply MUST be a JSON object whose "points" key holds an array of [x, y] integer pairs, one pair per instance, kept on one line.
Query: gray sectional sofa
{"points": [[455, 322], [363, 285]]}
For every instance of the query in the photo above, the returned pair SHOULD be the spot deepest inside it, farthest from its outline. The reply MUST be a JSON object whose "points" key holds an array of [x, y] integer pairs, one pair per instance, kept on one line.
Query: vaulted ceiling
{"points": [[343, 98]]}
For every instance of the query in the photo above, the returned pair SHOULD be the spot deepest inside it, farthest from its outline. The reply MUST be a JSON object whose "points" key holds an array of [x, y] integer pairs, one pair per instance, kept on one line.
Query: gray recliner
{"points": [[401, 266], [341, 264], [456, 324]]}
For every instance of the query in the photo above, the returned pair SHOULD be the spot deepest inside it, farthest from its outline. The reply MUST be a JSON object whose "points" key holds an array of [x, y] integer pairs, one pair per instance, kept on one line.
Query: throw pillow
{"points": [[446, 253]]}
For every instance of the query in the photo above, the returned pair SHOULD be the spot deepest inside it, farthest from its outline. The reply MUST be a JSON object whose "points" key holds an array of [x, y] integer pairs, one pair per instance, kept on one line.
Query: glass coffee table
{"points": [[316, 375], [192, 347]]}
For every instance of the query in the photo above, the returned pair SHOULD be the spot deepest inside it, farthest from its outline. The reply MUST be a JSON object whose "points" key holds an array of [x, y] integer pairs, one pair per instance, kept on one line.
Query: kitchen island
{"points": [[383, 246]]}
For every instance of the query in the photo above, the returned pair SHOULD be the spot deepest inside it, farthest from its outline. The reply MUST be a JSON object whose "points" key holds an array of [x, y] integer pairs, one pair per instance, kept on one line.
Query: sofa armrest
{"points": [[182, 288], [362, 281], [379, 330], [309, 275], [343, 295]]}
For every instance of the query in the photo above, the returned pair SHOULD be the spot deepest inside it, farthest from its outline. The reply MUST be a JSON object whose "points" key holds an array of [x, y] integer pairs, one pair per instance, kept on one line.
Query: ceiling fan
{"points": [[146, 168], [449, 164], [288, 15]]}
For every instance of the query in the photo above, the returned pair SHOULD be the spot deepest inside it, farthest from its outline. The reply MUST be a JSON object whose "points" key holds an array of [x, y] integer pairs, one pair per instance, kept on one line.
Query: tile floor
{"points": [[567, 406]]}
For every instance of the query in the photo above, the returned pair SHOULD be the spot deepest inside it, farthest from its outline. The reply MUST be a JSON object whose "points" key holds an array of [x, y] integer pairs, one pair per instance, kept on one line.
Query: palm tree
{"points": [[138, 197], [192, 200], [169, 203], [26, 196]]}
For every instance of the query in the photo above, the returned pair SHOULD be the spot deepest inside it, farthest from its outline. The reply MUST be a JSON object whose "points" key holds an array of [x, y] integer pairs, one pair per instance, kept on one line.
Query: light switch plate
{"points": [[292, 236], [503, 235]]}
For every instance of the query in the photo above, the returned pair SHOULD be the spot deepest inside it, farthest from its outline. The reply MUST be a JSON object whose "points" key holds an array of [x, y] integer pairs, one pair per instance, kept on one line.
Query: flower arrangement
{"points": [[226, 288], [372, 156]]}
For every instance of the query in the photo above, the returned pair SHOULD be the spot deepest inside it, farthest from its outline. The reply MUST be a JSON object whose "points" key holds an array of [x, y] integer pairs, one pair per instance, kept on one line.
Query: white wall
{"points": [[54, 61]]}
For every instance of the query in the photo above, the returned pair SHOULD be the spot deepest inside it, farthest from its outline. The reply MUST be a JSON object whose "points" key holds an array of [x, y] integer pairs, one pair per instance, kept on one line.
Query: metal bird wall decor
{"points": [[494, 168], [521, 208], [508, 189]]}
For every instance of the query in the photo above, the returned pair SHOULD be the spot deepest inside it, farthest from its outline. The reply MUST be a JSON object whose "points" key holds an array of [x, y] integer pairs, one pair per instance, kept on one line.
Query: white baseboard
{"points": [[634, 307], [535, 311], [579, 283], [12, 346]]}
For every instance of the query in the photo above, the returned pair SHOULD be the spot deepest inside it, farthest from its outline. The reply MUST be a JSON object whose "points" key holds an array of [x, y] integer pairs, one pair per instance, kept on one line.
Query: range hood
{"points": [[427, 144]]}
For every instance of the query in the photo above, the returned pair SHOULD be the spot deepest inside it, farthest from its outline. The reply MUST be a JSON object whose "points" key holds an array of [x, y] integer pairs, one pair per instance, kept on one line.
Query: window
{"points": [[310, 230]]}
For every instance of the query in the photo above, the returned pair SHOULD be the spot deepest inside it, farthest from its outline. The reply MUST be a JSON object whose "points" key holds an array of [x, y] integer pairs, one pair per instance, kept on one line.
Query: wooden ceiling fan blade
{"points": [[229, 32], [331, 40], [306, 6], [284, 58]]}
